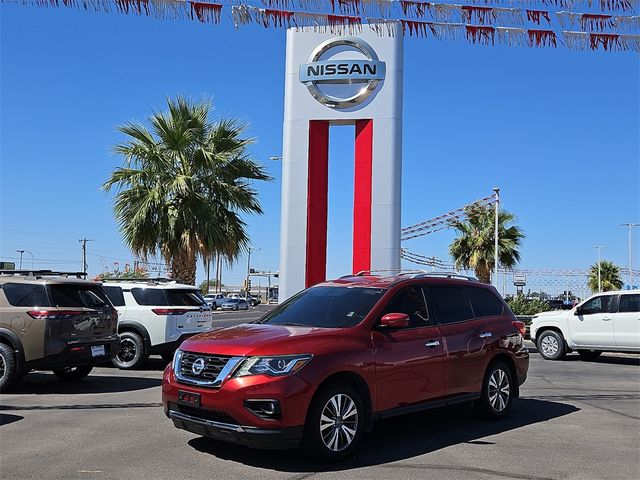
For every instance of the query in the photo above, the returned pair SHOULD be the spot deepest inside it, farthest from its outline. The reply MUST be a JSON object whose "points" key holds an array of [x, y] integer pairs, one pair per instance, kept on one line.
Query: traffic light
{"points": [[248, 287]]}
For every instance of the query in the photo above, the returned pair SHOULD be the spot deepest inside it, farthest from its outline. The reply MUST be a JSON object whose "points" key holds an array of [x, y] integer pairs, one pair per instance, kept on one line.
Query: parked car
{"points": [[318, 369], [235, 304], [215, 300], [605, 322], [253, 301], [53, 321], [156, 315]]}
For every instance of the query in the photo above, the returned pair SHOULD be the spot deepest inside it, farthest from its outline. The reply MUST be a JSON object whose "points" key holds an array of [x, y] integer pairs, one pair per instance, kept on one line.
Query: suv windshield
{"points": [[328, 307]]}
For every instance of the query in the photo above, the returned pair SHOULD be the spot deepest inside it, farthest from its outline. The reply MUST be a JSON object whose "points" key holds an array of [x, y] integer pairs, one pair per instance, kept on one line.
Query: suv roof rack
{"points": [[449, 275], [43, 273], [396, 271], [154, 281]]}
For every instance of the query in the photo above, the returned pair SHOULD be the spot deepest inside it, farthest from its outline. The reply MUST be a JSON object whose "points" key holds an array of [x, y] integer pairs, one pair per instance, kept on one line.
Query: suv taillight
{"points": [[522, 328], [169, 311], [54, 314]]}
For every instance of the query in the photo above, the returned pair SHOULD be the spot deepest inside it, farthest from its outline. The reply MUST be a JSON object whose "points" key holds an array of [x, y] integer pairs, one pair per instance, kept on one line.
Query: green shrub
{"points": [[520, 305]]}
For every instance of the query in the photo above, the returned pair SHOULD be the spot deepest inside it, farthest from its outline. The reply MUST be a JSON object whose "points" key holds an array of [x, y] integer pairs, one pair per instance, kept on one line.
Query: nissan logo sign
{"points": [[337, 80], [198, 366]]}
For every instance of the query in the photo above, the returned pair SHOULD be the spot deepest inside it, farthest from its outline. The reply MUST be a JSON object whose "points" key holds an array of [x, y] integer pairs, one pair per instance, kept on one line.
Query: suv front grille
{"points": [[210, 370]]}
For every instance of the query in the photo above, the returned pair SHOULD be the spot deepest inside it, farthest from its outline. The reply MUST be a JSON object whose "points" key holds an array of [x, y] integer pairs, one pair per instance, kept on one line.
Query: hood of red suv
{"points": [[262, 339]]}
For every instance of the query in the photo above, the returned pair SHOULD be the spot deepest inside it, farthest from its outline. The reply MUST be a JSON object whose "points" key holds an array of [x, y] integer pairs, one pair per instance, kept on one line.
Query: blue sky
{"points": [[558, 131]]}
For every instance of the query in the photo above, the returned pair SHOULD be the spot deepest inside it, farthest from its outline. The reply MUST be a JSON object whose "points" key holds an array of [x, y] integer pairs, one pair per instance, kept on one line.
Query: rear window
{"points": [[25, 295], [184, 298], [451, 304], [629, 303], [115, 295], [90, 296], [150, 296], [485, 303]]}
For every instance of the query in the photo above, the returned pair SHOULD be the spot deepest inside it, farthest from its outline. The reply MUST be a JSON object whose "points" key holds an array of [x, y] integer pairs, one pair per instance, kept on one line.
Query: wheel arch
{"points": [[135, 327], [356, 381], [511, 365], [10, 338]]}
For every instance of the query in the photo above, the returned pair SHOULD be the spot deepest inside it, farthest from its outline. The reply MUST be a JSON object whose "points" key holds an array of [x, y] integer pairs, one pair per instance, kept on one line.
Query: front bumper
{"points": [[253, 437], [223, 415]]}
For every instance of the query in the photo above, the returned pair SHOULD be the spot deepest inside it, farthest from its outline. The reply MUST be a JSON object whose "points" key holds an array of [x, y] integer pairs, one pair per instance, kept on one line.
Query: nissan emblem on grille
{"points": [[198, 366]]}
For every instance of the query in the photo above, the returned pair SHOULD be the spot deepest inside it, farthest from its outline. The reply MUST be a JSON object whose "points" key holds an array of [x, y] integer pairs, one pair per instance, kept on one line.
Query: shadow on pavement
{"points": [[400, 438], [6, 419], [607, 358], [41, 383]]}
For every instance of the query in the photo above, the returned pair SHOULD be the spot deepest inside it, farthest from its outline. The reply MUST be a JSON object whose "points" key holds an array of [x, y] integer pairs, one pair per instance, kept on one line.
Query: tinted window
{"points": [[184, 298], [410, 301], [596, 305], [150, 296], [25, 295], [629, 303], [451, 304], [115, 295], [90, 296], [331, 307], [485, 303]]}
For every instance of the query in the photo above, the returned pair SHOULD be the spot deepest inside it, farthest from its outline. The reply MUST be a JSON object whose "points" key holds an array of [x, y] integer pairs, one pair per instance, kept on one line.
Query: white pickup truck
{"points": [[605, 322]]}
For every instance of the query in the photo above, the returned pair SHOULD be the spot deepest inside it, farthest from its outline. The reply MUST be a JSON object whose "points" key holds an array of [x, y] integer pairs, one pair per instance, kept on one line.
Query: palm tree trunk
{"points": [[483, 273], [183, 266]]}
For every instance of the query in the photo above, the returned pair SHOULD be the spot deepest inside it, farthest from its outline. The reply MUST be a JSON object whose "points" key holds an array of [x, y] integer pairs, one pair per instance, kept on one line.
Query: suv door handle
{"points": [[432, 344], [486, 335], [606, 319]]}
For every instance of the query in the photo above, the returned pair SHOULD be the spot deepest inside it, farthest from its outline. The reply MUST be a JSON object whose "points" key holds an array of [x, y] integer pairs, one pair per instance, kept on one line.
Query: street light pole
{"points": [[599, 247], [629, 227], [249, 250], [20, 252], [496, 190]]}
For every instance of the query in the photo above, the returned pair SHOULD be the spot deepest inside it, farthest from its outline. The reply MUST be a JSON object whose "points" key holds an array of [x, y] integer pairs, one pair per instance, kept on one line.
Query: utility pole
{"points": [[83, 242], [629, 227], [599, 247], [496, 190]]}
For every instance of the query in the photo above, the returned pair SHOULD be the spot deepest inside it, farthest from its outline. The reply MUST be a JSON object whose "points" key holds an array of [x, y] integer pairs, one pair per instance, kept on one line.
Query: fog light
{"points": [[269, 409]]}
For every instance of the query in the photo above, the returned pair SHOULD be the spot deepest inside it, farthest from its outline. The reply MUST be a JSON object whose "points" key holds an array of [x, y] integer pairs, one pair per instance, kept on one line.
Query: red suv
{"points": [[319, 369]]}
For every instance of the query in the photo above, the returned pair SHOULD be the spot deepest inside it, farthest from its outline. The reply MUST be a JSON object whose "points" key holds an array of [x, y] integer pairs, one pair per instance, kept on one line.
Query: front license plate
{"points": [[189, 398], [97, 350]]}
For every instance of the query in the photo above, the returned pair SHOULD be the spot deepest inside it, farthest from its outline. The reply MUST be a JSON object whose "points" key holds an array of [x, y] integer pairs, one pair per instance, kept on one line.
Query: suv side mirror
{"points": [[395, 320], [578, 311]]}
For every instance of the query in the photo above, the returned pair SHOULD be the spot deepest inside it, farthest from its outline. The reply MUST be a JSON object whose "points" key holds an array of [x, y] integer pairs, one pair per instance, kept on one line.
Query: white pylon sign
{"points": [[357, 80]]}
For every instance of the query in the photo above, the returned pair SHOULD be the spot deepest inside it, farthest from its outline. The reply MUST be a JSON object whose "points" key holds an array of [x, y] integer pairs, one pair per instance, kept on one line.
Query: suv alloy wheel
{"points": [[551, 345], [8, 374], [131, 352], [497, 392], [335, 424]]}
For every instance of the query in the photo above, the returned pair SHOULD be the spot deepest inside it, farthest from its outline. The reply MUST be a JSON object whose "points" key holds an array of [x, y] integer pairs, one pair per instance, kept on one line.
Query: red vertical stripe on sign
{"points": [[317, 191], [362, 196]]}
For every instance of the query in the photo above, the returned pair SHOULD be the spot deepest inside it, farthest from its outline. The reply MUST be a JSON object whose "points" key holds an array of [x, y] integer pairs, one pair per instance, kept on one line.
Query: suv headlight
{"points": [[276, 366], [176, 358]]}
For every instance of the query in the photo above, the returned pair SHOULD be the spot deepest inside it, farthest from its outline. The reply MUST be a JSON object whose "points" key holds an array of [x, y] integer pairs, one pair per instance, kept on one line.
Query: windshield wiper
{"points": [[291, 324]]}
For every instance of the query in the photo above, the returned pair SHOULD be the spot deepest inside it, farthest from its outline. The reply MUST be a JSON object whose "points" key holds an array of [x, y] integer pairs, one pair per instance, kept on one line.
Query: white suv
{"points": [[608, 321], [154, 317]]}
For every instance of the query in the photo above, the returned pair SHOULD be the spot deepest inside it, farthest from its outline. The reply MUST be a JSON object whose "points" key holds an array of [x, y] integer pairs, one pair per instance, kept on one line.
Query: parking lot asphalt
{"points": [[574, 420]]}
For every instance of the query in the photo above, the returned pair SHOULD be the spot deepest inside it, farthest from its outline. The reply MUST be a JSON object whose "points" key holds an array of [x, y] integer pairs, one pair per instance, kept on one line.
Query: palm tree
{"points": [[183, 186], [475, 248], [609, 276]]}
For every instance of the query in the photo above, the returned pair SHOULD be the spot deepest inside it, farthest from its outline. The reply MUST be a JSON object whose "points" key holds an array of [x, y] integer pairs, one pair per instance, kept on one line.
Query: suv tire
{"points": [[497, 392], [131, 352], [589, 355], [551, 345], [72, 373], [326, 441], [8, 370]]}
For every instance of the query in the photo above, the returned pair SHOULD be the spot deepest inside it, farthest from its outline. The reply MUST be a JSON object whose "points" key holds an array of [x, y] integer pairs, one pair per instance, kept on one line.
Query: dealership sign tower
{"points": [[340, 80]]}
